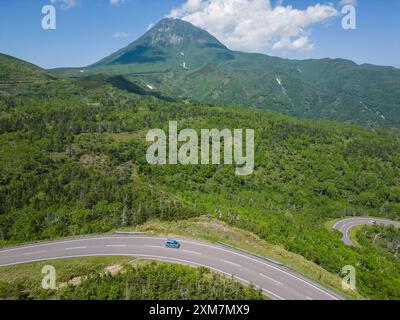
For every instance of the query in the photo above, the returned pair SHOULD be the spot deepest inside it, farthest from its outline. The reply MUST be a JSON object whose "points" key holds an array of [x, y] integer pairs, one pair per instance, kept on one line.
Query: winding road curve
{"points": [[278, 282], [344, 226]]}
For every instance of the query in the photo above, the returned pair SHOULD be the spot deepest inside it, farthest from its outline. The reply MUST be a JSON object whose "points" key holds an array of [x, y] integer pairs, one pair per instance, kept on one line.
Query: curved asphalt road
{"points": [[344, 226], [276, 281]]}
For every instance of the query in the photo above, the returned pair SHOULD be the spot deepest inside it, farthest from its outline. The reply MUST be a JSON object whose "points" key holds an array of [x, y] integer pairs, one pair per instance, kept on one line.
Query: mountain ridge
{"points": [[169, 36], [180, 59], [16, 70], [177, 59]]}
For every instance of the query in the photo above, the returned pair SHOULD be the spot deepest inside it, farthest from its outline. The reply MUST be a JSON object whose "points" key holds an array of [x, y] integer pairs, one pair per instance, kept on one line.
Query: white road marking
{"points": [[232, 263], [150, 246], [78, 240], [304, 281], [75, 248], [272, 294], [32, 253], [309, 298], [268, 265], [192, 252], [273, 280], [116, 245]]}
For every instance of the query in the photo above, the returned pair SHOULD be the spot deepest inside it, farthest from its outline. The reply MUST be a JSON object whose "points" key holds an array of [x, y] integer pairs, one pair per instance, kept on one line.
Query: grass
{"points": [[353, 235], [330, 223]]}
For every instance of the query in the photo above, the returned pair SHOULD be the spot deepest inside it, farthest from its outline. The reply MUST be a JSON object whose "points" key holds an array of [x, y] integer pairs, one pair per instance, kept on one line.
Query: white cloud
{"points": [[120, 34], [65, 4], [256, 25], [116, 2], [302, 43]]}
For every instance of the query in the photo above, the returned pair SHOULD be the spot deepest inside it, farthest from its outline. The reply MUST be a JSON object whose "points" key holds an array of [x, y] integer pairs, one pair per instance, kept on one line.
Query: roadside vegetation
{"points": [[121, 279]]}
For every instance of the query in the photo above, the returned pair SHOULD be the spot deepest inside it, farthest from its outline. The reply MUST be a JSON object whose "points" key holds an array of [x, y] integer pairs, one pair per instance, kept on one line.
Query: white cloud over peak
{"points": [[256, 25]]}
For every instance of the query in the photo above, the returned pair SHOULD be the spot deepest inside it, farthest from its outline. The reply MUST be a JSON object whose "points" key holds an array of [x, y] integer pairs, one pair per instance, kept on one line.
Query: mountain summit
{"points": [[171, 42], [178, 59]]}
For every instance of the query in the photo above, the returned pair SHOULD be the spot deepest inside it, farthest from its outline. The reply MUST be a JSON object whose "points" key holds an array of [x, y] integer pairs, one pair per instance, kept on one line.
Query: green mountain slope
{"points": [[73, 161], [13, 70], [181, 59], [22, 79], [170, 44]]}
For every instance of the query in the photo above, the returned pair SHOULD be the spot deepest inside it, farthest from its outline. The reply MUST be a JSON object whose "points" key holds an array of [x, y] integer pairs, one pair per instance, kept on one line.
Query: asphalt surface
{"points": [[344, 226], [278, 282]]}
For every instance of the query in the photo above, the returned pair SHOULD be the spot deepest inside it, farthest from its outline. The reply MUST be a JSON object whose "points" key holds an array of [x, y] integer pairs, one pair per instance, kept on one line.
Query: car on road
{"points": [[372, 221], [172, 244]]}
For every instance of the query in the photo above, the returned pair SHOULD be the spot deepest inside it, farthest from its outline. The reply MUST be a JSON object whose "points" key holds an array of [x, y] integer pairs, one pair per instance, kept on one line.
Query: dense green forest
{"points": [[72, 162], [143, 281], [384, 239]]}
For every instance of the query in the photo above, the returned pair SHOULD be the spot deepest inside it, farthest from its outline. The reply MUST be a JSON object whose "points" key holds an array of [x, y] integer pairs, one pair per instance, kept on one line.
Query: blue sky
{"points": [[91, 29]]}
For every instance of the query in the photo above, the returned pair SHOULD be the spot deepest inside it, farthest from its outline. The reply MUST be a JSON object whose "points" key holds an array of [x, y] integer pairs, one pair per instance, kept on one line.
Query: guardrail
{"points": [[250, 254], [129, 232]]}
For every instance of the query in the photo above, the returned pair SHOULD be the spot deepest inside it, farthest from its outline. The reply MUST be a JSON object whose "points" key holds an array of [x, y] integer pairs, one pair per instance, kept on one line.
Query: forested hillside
{"points": [[15, 70], [384, 239], [73, 161], [179, 59]]}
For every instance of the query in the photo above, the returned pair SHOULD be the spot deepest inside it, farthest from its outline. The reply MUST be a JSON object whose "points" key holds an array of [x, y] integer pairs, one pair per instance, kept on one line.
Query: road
{"points": [[344, 226], [278, 282]]}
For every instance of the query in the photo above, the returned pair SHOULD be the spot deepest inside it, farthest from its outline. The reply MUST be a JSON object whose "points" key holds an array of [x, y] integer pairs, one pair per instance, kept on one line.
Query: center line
{"points": [[75, 248], [193, 252], [235, 264], [273, 280], [116, 245], [31, 253]]}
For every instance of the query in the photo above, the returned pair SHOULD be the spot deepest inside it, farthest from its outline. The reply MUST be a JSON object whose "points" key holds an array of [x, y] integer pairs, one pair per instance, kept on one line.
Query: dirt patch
{"points": [[73, 282], [114, 268], [96, 162]]}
